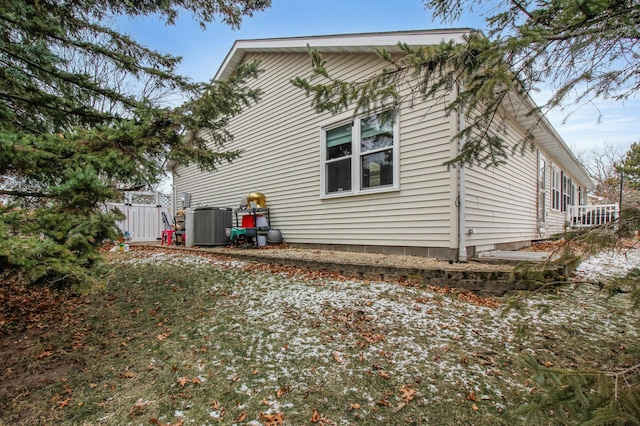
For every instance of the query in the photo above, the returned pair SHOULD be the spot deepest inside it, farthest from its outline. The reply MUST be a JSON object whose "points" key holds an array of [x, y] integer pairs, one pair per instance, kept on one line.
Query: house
{"points": [[375, 184]]}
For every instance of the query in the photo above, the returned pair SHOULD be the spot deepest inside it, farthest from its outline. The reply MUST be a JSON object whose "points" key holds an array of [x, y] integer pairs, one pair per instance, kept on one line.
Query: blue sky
{"points": [[204, 51]]}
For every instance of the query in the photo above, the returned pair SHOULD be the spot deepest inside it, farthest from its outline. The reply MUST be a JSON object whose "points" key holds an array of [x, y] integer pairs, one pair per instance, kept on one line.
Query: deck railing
{"points": [[592, 215]]}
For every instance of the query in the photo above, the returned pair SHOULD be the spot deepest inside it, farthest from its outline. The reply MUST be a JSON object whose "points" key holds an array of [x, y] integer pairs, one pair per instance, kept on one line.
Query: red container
{"points": [[248, 221]]}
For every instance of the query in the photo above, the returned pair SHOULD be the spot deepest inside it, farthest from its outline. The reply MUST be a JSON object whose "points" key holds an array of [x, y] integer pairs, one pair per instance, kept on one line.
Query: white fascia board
{"points": [[367, 42]]}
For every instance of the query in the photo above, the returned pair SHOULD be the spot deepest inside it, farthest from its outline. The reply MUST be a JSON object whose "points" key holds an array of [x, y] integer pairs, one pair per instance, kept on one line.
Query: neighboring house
{"points": [[375, 184]]}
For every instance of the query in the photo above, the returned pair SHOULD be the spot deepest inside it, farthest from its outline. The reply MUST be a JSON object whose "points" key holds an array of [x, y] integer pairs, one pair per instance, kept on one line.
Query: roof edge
{"points": [[571, 162]]}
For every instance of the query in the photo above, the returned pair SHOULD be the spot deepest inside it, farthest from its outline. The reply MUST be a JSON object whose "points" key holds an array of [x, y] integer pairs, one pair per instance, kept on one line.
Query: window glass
{"points": [[339, 176], [556, 191], [376, 132], [339, 142], [566, 191], [377, 169], [542, 188]]}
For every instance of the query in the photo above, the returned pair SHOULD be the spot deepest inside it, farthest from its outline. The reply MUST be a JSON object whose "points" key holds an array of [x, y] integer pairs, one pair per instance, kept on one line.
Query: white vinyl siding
{"points": [[280, 140], [502, 201]]}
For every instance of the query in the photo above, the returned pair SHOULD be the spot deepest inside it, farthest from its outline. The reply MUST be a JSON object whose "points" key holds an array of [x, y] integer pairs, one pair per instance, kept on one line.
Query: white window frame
{"points": [[556, 188], [582, 196], [567, 192], [356, 172], [542, 188]]}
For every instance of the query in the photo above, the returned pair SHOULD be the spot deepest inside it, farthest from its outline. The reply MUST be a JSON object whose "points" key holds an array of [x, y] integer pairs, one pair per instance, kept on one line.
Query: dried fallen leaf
{"points": [[272, 419], [321, 420], [337, 357], [408, 394], [196, 381], [475, 407], [383, 402], [548, 364], [44, 354], [354, 406], [472, 397], [384, 374], [241, 417], [127, 375], [182, 381], [64, 403], [282, 391], [139, 408]]}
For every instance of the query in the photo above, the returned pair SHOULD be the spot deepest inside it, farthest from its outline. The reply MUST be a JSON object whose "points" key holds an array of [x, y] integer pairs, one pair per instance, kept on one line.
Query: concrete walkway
{"points": [[514, 256]]}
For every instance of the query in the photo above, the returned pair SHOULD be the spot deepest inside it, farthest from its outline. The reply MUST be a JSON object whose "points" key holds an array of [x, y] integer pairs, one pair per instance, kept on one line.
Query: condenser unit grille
{"points": [[209, 225]]}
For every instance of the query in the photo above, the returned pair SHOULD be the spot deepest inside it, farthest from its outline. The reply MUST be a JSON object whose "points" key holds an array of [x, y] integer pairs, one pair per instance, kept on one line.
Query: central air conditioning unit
{"points": [[210, 225]]}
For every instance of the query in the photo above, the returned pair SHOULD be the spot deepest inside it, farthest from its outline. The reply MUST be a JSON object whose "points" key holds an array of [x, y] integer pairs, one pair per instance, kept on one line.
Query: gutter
{"points": [[462, 192]]}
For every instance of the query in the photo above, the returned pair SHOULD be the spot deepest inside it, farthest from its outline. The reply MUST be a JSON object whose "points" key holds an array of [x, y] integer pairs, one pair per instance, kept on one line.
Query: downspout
{"points": [[462, 212]]}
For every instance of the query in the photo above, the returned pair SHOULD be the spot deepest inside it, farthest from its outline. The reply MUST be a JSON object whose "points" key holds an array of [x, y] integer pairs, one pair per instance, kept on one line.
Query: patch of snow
{"points": [[604, 266]]}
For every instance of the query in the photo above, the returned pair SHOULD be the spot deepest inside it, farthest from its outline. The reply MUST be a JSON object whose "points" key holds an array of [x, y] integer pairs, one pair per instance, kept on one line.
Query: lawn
{"points": [[180, 339]]}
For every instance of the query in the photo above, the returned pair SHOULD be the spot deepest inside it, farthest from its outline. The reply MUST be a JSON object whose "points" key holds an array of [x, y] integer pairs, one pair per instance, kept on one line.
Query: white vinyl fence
{"points": [[143, 211]]}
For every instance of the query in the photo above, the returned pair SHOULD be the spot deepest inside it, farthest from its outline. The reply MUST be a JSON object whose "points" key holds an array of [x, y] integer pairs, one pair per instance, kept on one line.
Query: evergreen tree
{"points": [[63, 154], [631, 166]]}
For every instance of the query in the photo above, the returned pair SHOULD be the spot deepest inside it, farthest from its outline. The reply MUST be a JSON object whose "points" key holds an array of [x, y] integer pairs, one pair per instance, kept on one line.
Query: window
{"points": [[542, 188], [360, 156], [562, 190], [582, 196], [556, 191], [339, 159], [572, 194], [567, 192]]}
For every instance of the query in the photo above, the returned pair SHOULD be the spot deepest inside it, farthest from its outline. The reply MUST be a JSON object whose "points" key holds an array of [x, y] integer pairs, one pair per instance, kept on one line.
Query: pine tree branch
{"points": [[521, 8], [619, 374], [72, 79]]}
